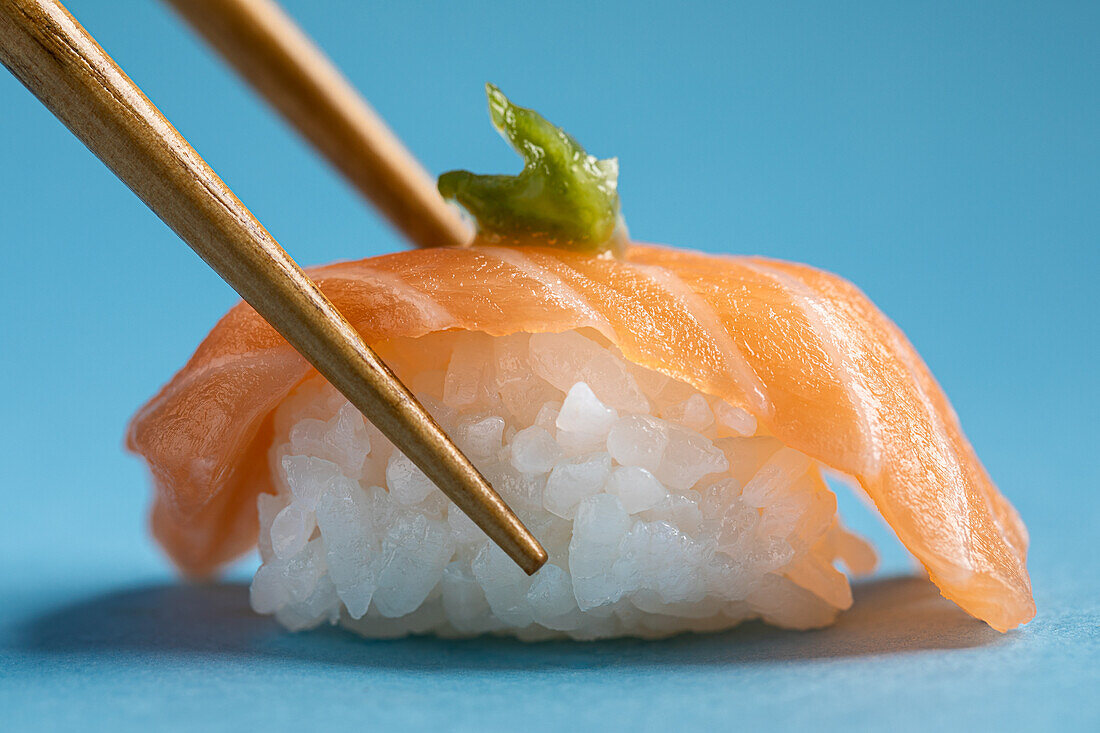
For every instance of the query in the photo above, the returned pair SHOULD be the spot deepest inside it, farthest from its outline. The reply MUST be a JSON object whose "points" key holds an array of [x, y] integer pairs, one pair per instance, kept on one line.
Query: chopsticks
{"points": [[61, 64], [273, 54]]}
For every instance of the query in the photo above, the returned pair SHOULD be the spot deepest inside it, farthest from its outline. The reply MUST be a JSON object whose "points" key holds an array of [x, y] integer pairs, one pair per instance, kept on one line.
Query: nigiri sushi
{"points": [[658, 417]]}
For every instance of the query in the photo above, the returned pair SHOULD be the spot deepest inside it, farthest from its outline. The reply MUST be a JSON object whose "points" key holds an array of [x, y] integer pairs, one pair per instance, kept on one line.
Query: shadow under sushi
{"points": [[890, 615]]}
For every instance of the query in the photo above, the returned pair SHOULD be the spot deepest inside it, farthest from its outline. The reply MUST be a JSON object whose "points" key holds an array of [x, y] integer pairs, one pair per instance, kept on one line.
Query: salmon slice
{"points": [[804, 351]]}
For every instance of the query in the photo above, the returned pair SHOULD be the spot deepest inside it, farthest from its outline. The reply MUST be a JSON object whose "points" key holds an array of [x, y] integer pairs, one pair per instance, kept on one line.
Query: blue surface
{"points": [[945, 159]]}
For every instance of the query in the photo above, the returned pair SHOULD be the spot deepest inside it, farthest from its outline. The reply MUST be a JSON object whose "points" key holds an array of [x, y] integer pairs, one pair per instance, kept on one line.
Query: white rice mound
{"points": [[663, 510]]}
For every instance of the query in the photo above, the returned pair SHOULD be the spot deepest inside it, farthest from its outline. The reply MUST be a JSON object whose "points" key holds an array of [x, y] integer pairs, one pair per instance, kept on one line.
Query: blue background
{"points": [[944, 158]]}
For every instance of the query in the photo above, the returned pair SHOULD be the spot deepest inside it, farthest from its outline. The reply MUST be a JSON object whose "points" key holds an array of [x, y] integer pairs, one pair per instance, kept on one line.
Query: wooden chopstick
{"points": [[58, 61], [276, 57]]}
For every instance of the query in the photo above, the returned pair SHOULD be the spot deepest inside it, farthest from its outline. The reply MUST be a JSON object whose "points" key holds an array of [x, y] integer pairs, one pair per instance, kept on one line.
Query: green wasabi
{"points": [[563, 197]]}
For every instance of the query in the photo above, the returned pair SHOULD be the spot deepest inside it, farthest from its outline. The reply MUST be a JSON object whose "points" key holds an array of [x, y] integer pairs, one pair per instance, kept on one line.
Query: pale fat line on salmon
{"points": [[962, 509], [707, 318], [559, 290], [810, 305], [436, 317]]}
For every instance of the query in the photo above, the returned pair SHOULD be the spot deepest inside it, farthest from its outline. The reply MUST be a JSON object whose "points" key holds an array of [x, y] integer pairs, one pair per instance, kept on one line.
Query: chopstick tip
{"points": [[534, 559]]}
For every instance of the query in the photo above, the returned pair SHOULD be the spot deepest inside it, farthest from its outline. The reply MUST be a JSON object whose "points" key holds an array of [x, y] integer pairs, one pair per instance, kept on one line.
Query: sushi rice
{"points": [[662, 509]]}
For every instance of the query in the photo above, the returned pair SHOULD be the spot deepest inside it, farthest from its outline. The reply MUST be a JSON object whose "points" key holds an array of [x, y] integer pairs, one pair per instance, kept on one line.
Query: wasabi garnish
{"points": [[563, 197]]}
